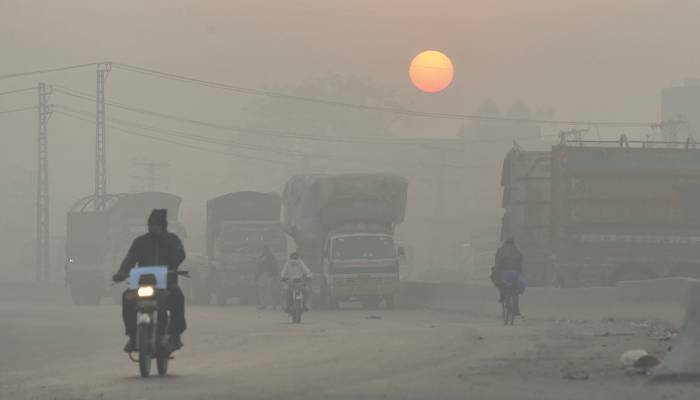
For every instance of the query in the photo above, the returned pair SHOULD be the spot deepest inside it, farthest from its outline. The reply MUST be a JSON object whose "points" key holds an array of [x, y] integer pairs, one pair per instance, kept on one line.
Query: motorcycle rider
{"points": [[155, 248], [295, 268], [508, 271]]}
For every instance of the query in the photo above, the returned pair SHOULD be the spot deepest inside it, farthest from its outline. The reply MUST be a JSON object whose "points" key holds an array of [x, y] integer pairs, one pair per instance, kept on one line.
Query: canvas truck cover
{"points": [[240, 206], [314, 202], [138, 206]]}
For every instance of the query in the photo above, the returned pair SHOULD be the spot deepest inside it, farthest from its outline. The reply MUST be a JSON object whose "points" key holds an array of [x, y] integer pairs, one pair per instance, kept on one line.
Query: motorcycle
{"points": [[295, 298], [152, 318]]}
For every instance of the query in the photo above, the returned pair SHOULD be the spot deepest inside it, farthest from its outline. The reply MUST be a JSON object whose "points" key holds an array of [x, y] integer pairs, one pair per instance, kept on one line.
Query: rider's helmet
{"points": [[294, 256]]}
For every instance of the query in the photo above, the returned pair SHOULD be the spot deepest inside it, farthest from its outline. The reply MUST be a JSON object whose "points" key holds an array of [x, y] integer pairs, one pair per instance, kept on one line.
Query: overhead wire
{"points": [[175, 142], [385, 109], [267, 132], [393, 110], [18, 110], [184, 135], [238, 144], [48, 70], [290, 135], [18, 91]]}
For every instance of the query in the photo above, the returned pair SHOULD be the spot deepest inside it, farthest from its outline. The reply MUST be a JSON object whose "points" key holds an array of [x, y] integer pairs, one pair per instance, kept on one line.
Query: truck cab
{"points": [[360, 266]]}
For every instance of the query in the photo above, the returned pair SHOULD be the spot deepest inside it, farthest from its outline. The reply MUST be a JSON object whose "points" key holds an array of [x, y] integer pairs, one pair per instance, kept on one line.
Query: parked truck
{"points": [[343, 227], [622, 212], [526, 179], [616, 210], [97, 239], [238, 226]]}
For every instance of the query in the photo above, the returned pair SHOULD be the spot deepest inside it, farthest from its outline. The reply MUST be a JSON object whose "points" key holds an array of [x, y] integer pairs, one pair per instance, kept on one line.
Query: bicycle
{"points": [[508, 306]]}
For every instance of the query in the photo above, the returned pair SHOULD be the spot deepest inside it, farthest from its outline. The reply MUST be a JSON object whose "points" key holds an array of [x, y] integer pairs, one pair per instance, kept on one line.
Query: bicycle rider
{"points": [[507, 273]]}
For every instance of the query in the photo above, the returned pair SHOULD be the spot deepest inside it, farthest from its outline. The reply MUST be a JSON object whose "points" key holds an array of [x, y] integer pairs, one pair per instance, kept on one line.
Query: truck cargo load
{"points": [[625, 213]]}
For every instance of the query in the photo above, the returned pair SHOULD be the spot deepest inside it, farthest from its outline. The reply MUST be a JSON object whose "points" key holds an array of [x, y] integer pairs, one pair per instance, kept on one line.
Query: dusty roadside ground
{"points": [[60, 352]]}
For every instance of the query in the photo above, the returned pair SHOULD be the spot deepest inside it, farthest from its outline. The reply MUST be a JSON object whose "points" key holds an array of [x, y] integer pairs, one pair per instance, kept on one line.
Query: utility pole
{"points": [[440, 225], [101, 140], [42, 196]]}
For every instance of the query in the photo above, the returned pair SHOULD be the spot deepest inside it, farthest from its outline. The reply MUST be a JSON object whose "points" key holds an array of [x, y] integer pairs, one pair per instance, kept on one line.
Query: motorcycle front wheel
{"points": [[144, 336], [296, 312]]}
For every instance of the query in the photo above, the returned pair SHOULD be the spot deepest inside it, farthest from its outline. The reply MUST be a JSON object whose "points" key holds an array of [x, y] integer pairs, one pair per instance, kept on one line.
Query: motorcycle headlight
{"points": [[146, 291]]}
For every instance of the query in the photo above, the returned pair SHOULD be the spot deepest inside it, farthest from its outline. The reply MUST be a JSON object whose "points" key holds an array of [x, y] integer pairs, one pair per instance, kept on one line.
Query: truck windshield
{"points": [[369, 247]]}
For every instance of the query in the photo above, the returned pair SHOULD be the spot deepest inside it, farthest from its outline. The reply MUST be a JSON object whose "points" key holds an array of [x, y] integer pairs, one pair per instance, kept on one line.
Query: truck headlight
{"points": [[146, 291]]}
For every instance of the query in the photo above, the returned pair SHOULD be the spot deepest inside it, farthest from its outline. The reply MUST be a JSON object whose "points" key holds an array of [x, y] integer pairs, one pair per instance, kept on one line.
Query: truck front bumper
{"points": [[345, 287]]}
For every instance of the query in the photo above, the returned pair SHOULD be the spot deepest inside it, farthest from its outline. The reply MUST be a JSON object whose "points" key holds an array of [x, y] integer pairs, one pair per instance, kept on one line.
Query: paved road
{"points": [[65, 352]]}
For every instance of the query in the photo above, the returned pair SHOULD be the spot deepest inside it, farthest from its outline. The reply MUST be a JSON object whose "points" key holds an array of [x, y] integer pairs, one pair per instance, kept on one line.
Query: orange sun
{"points": [[431, 71]]}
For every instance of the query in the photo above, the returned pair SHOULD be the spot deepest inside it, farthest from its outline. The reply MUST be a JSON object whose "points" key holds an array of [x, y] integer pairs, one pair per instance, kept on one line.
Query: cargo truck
{"points": [[625, 211], [238, 226], [593, 213], [343, 227]]}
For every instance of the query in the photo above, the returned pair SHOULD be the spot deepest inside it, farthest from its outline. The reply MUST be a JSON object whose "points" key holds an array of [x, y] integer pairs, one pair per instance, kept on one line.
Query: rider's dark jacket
{"points": [[509, 257], [153, 249], [509, 266]]}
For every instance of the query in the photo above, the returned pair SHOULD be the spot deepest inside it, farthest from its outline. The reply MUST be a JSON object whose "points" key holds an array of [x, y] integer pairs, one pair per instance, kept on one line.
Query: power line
{"points": [[18, 110], [180, 134], [45, 71], [393, 110], [271, 94], [88, 116], [288, 135], [220, 152], [30, 89], [160, 139]]}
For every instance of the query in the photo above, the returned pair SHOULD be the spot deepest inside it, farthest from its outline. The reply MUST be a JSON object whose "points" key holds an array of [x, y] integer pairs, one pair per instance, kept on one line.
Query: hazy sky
{"points": [[593, 56], [597, 59]]}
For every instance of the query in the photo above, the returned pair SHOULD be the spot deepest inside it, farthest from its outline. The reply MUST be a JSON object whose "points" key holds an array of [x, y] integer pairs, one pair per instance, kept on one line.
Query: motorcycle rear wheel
{"points": [[162, 364]]}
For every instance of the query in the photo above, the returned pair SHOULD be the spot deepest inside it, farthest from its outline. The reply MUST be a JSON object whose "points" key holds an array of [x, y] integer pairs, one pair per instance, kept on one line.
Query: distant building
{"points": [[681, 104]]}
